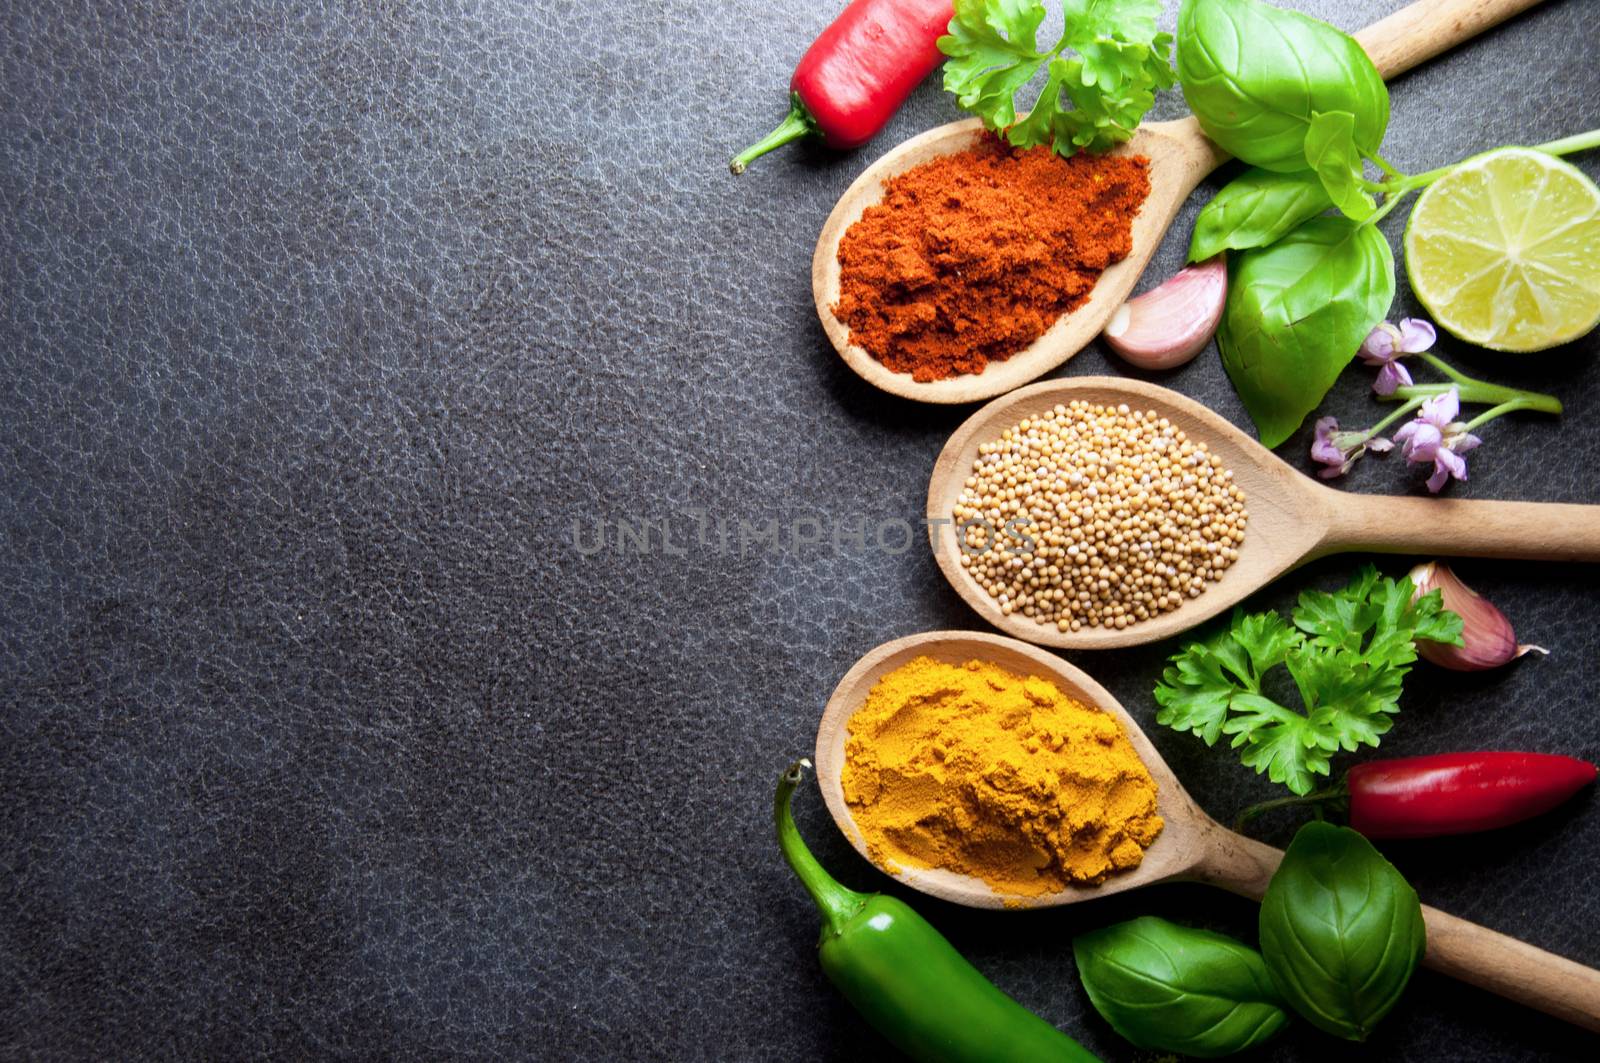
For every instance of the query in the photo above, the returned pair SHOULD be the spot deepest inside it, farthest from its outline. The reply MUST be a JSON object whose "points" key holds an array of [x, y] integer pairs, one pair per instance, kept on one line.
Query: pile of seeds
{"points": [[1097, 515]]}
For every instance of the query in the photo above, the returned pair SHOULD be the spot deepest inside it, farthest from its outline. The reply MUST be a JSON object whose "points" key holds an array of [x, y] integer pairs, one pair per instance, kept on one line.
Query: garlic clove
{"points": [[1170, 324], [1488, 639]]}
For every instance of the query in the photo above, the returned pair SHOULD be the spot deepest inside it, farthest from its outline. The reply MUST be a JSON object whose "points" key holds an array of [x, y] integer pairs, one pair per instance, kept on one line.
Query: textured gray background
{"points": [[319, 737]]}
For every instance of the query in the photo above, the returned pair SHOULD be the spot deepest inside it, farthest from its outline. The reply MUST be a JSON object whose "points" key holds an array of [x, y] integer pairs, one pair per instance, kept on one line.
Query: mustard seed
{"points": [[1115, 516]]}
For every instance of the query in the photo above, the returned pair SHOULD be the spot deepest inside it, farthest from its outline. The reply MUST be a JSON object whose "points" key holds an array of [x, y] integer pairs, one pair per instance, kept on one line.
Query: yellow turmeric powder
{"points": [[974, 769]]}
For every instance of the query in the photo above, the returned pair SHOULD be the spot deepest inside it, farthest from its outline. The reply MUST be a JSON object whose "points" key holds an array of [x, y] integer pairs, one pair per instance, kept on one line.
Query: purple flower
{"points": [[1387, 344], [1438, 437], [1339, 450]]}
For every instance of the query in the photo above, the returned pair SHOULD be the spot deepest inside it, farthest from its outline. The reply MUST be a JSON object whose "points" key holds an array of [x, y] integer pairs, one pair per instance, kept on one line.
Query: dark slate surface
{"points": [[321, 737]]}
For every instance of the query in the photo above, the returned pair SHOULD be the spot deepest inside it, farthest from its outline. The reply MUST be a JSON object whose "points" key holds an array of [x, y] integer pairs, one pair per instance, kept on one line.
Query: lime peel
{"points": [[1544, 285]]}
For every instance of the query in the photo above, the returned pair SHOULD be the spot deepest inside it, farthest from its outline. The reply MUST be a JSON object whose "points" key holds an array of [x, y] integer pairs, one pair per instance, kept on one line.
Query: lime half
{"points": [[1504, 251]]}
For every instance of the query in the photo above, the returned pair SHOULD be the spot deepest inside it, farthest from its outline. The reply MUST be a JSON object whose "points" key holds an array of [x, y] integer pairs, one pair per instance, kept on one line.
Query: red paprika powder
{"points": [[970, 257]]}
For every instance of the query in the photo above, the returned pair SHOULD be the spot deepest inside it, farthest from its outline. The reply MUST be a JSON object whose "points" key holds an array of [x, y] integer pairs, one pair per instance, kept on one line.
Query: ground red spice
{"points": [[971, 257]]}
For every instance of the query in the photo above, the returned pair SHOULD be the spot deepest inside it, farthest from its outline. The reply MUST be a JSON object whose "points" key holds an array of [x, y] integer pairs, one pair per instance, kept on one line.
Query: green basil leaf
{"points": [[1331, 151], [1297, 312], [1255, 209], [1174, 989], [1256, 75], [1341, 930]]}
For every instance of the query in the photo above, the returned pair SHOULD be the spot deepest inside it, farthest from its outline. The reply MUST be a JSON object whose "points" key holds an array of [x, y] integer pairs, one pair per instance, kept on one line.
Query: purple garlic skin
{"points": [[1486, 634], [1170, 324]]}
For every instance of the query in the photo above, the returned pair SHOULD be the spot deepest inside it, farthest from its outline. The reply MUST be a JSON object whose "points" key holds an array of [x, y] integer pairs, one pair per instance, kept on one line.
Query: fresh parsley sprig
{"points": [[1348, 654], [1121, 63]]}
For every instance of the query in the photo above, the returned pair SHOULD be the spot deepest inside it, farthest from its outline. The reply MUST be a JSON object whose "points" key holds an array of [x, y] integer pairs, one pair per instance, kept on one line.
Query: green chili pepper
{"points": [[905, 978]]}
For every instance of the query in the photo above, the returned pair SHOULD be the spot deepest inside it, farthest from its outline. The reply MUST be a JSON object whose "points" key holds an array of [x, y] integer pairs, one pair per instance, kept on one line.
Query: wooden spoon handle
{"points": [[1475, 954], [1417, 33], [1513, 969], [1534, 531]]}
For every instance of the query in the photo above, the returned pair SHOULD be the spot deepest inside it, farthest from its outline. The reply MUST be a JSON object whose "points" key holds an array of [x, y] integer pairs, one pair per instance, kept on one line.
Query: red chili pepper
{"points": [[857, 73], [1454, 793]]}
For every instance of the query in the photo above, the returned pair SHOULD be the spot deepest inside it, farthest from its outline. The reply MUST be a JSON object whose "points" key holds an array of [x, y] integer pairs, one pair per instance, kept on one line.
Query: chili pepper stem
{"points": [[797, 124], [836, 902]]}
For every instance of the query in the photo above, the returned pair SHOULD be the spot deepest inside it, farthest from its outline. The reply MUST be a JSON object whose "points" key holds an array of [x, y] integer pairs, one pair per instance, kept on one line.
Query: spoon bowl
{"points": [[1292, 518], [1180, 156], [1191, 846], [1185, 843]]}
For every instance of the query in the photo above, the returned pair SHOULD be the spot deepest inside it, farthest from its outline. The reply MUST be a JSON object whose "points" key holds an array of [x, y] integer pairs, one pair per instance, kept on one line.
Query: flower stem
{"points": [[1564, 146], [1422, 180], [1477, 391], [1510, 406], [1445, 367], [1381, 163], [1508, 399], [1410, 404], [1393, 194], [1568, 145]]}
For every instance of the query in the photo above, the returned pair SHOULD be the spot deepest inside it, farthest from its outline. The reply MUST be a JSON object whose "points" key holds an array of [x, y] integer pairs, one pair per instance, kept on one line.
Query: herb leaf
{"points": [[1277, 742], [1341, 930], [1038, 126], [1122, 61], [1266, 638], [1331, 150], [1091, 20], [1256, 75], [1195, 693], [990, 46], [1348, 654], [1348, 698], [1256, 209], [1296, 313], [1209, 678], [1174, 989], [1103, 117], [1382, 608]]}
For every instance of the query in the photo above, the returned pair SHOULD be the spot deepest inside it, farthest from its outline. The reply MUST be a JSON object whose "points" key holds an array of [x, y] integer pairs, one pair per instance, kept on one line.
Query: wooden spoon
{"points": [[1293, 518], [1192, 847], [1180, 157]]}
